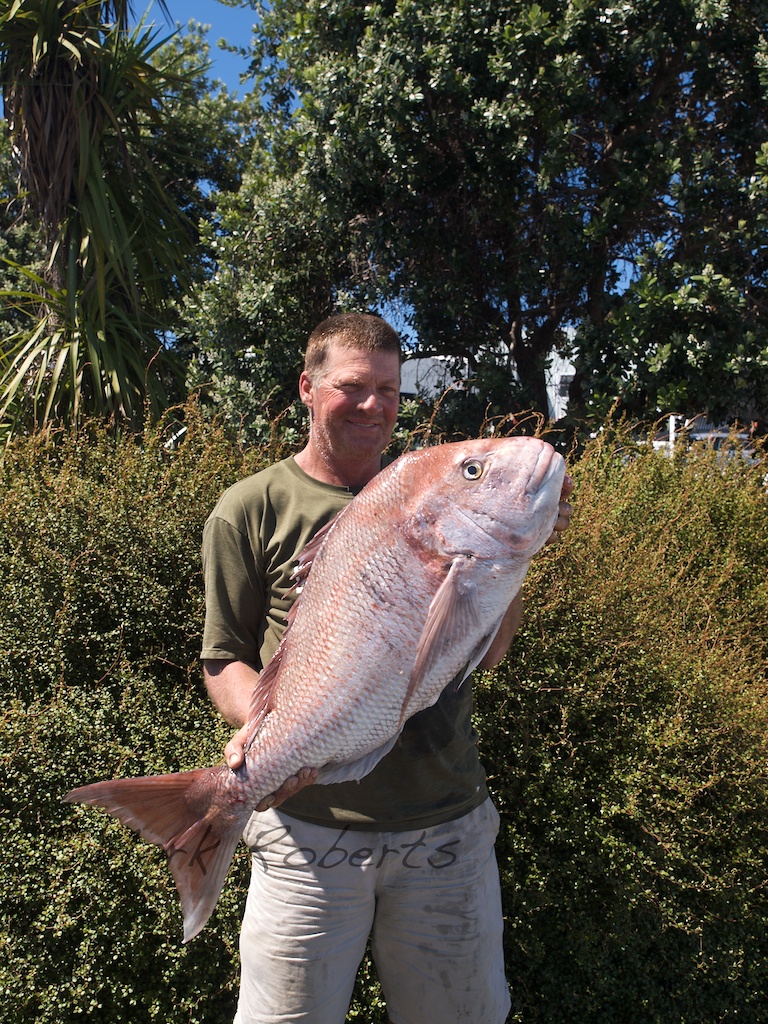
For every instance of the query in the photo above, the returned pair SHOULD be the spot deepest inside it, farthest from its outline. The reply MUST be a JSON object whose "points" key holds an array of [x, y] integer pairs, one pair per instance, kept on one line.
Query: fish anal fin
{"points": [[358, 769], [180, 813]]}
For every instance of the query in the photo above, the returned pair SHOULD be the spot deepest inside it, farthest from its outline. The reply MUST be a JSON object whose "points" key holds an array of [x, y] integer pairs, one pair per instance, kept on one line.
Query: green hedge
{"points": [[627, 735], [625, 738], [99, 635]]}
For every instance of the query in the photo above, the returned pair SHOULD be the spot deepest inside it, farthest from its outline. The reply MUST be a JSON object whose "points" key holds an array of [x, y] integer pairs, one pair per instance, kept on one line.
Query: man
{"points": [[405, 855]]}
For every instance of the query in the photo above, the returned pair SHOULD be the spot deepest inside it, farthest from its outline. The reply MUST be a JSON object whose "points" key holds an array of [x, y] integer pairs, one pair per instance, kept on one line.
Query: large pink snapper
{"points": [[401, 594]]}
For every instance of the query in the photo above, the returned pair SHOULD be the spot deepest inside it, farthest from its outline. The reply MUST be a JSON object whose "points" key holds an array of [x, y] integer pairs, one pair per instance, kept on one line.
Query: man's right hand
{"points": [[234, 752], [234, 755]]}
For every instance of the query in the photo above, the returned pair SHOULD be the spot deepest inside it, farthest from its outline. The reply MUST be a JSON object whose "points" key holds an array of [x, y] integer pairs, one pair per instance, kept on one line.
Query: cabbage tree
{"points": [[83, 103]]}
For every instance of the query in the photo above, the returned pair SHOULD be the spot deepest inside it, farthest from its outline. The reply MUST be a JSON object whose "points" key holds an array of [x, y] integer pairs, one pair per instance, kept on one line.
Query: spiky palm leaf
{"points": [[82, 99], [67, 364]]}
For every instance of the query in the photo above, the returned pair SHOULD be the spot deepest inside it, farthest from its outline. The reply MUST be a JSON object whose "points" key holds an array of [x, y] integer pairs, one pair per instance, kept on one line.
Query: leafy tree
{"points": [[205, 135], [276, 274], [106, 176], [691, 333], [503, 168]]}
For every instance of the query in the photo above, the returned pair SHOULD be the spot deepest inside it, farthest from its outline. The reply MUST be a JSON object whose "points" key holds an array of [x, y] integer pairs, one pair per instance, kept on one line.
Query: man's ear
{"points": [[305, 390]]}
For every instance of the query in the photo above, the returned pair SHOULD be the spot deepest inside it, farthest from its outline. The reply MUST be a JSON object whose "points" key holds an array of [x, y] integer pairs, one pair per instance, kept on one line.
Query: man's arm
{"points": [[230, 686]]}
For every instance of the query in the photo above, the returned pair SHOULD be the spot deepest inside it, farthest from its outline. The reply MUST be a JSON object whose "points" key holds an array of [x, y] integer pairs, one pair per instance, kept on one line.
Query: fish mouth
{"points": [[548, 464]]}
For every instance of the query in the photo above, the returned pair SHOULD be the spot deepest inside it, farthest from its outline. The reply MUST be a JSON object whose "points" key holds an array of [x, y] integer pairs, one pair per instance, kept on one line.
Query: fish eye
{"points": [[472, 469]]}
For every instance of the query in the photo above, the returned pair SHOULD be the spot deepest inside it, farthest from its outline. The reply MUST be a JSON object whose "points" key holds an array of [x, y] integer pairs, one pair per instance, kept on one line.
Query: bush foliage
{"points": [[626, 734], [625, 738]]}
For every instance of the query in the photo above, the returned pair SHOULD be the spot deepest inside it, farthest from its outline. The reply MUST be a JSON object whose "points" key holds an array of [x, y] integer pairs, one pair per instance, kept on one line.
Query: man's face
{"points": [[353, 402]]}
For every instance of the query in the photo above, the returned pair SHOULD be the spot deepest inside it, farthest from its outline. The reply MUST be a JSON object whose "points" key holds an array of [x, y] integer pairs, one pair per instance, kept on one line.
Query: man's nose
{"points": [[370, 402]]}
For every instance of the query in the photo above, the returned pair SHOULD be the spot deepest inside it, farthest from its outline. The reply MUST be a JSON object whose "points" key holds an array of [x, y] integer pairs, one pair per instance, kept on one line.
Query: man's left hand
{"points": [[564, 513]]}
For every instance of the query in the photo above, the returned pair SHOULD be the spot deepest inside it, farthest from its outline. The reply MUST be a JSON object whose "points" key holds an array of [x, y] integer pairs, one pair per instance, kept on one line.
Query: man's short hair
{"points": [[349, 330]]}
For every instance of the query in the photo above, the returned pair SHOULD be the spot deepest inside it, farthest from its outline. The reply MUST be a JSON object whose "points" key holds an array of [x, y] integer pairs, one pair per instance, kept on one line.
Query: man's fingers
{"points": [[234, 752], [234, 758], [304, 777]]}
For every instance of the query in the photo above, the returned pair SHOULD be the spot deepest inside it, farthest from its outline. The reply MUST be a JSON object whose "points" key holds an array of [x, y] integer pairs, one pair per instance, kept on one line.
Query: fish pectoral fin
{"points": [[358, 769], [179, 813], [453, 612]]}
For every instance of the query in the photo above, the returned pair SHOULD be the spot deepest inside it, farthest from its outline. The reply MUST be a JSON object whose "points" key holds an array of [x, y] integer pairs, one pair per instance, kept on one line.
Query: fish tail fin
{"points": [[180, 813]]}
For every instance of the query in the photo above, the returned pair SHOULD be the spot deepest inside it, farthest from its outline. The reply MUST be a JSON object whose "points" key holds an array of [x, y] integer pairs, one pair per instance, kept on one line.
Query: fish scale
{"points": [[399, 597]]}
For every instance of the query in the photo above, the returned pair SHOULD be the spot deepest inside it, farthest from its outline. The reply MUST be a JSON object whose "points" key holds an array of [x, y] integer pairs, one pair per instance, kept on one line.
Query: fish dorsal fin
{"points": [[453, 611], [261, 698], [307, 556]]}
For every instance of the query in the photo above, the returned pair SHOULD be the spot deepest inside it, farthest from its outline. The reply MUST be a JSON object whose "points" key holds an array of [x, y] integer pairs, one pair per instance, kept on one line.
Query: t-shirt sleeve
{"points": [[234, 594]]}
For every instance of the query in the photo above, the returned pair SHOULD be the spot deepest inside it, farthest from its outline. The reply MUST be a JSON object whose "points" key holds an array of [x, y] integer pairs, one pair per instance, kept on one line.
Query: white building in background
{"points": [[560, 373], [429, 377]]}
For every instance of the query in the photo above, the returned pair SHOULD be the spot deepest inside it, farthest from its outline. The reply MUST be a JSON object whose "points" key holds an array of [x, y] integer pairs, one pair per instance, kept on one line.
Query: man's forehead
{"points": [[345, 361]]}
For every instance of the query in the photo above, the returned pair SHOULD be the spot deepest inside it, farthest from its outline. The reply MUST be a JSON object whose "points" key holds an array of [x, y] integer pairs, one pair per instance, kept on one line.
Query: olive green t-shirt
{"points": [[251, 542]]}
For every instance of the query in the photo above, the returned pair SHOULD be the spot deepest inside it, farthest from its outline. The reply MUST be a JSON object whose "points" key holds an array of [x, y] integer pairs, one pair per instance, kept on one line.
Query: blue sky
{"points": [[230, 23]]}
